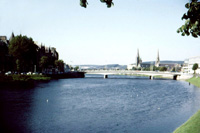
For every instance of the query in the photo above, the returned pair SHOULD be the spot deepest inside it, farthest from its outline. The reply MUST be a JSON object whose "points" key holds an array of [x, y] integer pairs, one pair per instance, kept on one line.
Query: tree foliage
{"points": [[44, 62], [24, 50], [163, 68], [173, 69], [76, 68], [18, 65], [192, 19], [3, 54], [109, 3], [195, 66], [60, 65]]}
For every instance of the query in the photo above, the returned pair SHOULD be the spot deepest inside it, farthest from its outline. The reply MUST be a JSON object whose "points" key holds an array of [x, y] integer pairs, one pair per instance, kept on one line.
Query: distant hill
{"points": [[117, 66], [165, 62], [108, 66]]}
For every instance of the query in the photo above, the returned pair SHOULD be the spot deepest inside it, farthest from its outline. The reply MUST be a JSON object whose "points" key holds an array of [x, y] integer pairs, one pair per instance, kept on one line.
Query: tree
{"points": [[60, 65], [109, 3], [163, 68], [3, 53], [24, 49], [76, 68], [174, 69], [44, 62], [195, 66], [18, 65], [155, 68], [192, 19]]}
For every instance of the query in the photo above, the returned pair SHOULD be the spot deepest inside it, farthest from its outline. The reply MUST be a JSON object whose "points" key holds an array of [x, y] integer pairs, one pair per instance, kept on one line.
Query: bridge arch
{"points": [[105, 76], [175, 77]]}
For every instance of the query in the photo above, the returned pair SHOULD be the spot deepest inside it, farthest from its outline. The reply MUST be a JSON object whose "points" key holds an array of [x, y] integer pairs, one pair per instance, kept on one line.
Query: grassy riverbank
{"points": [[193, 124], [195, 81], [22, 80], [14, 78]]}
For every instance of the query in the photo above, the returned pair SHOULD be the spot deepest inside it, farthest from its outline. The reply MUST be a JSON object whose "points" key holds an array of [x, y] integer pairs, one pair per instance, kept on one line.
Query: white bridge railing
{"points": [[151, 74]]}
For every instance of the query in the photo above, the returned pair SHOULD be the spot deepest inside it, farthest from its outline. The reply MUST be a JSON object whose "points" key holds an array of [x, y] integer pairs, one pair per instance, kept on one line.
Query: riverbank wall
{"points": [[67, 75], [184, 77]]}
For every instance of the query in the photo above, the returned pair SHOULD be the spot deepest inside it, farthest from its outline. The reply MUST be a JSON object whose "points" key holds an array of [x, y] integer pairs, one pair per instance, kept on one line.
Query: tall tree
{"points": [[109, 3], [60, 65], [163, 68], [24, 50], [3, 53], [192, 19], [195, 66], [76, 68], [44, 62]]}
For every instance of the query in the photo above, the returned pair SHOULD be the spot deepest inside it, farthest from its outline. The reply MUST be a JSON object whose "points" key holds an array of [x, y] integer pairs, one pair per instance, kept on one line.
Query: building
{"points": [[4, 39], [49, 52], [131, 66], [146, 64], [188, 64], [170, 65], [66, 68], [7, 61]]}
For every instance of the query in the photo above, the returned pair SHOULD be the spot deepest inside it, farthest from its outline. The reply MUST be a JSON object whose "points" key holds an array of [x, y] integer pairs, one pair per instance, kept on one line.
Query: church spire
{"points": [[138, 53], [138, 59], [157, 60], [12, 36]]}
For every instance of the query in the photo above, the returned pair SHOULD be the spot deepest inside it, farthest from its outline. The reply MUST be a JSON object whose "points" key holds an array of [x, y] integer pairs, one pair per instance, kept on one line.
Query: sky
{"points": [[101, 35]]}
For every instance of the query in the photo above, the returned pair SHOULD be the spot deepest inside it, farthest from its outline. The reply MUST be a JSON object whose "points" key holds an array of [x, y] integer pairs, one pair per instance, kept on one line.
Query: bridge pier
{"points": [[105, 76], [175, 77], [151, 77]]}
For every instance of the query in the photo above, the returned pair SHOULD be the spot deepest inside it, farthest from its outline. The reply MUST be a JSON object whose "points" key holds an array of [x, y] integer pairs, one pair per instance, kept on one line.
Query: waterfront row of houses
{"points": [[188, 64], [7, 62], [42, 49]]}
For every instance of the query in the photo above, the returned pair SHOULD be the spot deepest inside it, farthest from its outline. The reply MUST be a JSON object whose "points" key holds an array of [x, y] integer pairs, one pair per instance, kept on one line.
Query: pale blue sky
{"points": [[101, 35]]}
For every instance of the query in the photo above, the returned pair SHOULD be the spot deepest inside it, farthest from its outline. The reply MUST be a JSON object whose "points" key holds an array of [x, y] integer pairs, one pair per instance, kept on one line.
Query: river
{"points": [[92, 104]]}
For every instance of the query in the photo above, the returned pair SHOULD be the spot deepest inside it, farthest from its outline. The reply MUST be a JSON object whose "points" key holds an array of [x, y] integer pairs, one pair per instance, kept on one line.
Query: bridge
{"points": [[151, 74]]}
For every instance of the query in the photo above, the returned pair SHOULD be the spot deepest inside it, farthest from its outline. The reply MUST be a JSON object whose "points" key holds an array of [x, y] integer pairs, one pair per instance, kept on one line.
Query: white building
{"points": [[188, 64], [131, 66], [66, 68]]}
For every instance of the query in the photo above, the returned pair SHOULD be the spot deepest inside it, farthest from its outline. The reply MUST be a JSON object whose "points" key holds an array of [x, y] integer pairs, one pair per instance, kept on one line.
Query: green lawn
{"points": [[195, 81], [11, 78], [193, 124]]}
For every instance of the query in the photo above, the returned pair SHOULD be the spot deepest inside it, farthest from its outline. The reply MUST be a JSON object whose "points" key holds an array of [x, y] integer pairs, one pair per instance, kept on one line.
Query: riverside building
{"points": [[188, 64]]}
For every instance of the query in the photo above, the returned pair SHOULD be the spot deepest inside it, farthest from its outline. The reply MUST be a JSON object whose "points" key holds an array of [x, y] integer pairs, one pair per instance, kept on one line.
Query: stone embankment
{"points": [[67, 75], [184, 77]]}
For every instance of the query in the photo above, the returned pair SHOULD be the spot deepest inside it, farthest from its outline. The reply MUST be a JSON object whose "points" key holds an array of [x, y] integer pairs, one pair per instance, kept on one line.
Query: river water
{"points": [[95, 105]]}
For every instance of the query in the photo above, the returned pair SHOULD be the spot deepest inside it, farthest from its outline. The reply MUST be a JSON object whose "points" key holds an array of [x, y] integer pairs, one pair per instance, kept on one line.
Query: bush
{"points": [[163, 69]]}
